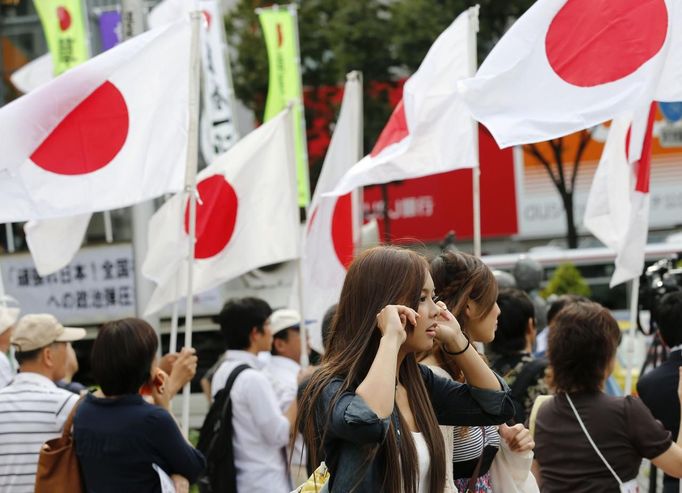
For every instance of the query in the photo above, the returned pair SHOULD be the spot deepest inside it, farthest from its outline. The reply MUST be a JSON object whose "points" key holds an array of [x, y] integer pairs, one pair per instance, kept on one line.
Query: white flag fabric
{"points": [[430, 131], [617, 210], [34, 74], [106, 134], [328, 246], [247, 217], [567, 65], [54, 242]]}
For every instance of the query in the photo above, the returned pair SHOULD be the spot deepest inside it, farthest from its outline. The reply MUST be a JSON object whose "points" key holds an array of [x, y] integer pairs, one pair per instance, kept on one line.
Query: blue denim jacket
{"points": [[354, 427]]}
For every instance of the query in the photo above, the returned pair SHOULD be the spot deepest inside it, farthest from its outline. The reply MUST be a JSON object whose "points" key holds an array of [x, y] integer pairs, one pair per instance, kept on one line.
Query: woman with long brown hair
{"points": [[468, 289], [370, 411]]}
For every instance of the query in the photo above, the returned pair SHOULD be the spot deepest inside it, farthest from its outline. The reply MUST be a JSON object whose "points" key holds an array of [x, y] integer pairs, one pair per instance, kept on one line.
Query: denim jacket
{"points": [[354, 427]]}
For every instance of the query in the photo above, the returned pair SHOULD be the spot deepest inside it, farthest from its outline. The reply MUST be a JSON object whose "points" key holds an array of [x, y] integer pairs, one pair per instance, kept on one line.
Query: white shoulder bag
{"points": [[628, 487]]}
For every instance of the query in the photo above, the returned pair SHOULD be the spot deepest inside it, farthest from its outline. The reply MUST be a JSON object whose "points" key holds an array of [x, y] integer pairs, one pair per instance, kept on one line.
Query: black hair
{"points": [[668, 317], [561, 302], [24, 356], [238, 317], [282, 335], [516, 308], [122, 355]]}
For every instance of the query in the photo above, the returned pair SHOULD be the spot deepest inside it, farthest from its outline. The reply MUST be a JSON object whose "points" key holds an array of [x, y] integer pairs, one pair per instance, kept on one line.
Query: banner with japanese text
{"points": [[64, 24], [280, 30], [218, 128]]}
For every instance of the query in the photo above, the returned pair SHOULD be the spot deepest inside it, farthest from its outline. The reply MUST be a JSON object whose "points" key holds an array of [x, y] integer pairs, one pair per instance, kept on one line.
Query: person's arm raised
{"points": [[378, 387], [455, 343]]}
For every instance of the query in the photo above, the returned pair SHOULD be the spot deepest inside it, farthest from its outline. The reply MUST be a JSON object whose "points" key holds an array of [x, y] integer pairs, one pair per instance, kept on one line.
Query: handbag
{"points": [[318, 482], [471, 486], [627, 487], [510, 471], [58, 467]]}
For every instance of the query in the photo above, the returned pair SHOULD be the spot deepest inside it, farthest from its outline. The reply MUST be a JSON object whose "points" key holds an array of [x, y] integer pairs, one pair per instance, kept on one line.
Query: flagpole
{"points": [[476, 171], [108, 230], [634, 303], [357, 194], [9, 236], [191, 190]]}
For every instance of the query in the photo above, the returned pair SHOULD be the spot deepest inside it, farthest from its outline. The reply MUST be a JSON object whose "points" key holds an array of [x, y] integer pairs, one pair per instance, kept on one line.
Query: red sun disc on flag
{"points": [[394, 131], [216, 216], [593, 42], [89, 137], [342, 230]]}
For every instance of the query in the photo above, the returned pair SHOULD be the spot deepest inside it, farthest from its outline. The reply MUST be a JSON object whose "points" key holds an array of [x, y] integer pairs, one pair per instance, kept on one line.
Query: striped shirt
{"points": [[32, 411]]}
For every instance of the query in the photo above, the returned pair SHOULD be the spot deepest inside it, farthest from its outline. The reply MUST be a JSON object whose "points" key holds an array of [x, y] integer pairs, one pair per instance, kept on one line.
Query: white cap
{"points": [[9, 312], [283, 319]]}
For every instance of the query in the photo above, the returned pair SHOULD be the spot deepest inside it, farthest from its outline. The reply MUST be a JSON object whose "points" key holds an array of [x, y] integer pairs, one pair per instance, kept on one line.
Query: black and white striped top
{"points": [[32, 411]]}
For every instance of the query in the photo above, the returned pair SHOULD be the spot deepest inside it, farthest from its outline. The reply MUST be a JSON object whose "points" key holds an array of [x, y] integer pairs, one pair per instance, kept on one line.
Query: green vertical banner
{"points": [[64, 26], [280, 29]]}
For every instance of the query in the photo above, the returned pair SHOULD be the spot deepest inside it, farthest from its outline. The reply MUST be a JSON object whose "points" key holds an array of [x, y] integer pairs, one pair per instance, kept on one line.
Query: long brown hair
{"points": [[378, 277], [458, 278]]}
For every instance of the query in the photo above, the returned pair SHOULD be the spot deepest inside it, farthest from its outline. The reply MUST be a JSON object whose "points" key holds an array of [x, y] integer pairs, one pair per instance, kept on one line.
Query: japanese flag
{"points": [[617, 210], [106, 134], [247, 217], [430, 131], [566, 65], [328, 244]]}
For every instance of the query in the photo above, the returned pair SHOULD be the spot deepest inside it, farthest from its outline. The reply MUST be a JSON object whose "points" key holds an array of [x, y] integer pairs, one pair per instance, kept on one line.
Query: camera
{"points": [[660, 278]]}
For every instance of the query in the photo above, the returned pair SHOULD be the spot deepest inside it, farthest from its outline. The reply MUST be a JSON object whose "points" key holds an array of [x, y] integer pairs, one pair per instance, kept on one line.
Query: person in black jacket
{"points": [[658, 387]]}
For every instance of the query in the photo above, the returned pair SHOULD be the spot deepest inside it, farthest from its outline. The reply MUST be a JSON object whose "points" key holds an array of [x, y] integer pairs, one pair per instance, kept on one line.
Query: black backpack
{"points": [[215, 442]]}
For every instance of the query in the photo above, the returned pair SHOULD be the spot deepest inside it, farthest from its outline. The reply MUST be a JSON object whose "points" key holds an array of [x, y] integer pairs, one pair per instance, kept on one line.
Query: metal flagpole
{"points": [[108, 230], [634, 302], [476, 171], [191, 190], [9, 236], [356, 197]]}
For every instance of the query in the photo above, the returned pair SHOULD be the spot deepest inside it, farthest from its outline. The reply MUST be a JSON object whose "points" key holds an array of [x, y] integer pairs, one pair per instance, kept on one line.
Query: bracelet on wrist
{"points": [[456, 353]]}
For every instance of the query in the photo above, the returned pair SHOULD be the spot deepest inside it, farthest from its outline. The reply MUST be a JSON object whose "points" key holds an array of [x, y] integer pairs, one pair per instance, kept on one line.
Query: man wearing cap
{"points": [[8, 317], [284, 372], [33, 408]]}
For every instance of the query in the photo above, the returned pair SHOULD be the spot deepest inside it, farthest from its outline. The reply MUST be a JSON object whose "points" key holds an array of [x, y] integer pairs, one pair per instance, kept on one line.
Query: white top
{"points": [[424, 459], [282, 373], [6, 371], [33, 410], [260, 429]]}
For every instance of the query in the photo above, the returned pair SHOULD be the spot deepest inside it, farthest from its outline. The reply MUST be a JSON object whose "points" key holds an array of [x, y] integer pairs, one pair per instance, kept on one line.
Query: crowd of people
{"points": [[432, 380]]}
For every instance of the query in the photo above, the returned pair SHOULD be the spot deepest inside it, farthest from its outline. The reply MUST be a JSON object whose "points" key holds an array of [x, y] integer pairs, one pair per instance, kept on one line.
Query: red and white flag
{"points": [[328, 243], [430, 131], [106, 134], [617, 210], [247, 217], [566, 65]]}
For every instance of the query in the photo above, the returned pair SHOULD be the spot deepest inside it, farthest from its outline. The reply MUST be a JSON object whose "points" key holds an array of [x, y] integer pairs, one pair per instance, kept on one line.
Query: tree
{"points": [[563, 171], [384, 40], [566, 280]]}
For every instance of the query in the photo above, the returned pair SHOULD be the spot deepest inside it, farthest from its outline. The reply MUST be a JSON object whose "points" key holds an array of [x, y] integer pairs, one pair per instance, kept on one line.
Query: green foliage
{"points": [[386, 41], [566, 280]]}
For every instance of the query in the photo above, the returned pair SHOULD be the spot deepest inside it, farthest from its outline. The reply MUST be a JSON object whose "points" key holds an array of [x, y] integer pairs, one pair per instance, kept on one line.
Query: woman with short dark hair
{"points": [[118, 435], [585, 439]]}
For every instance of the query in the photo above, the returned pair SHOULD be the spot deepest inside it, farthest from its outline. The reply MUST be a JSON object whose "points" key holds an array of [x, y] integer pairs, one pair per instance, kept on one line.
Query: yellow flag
{"points": [[64, 26], [280, 30]]}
